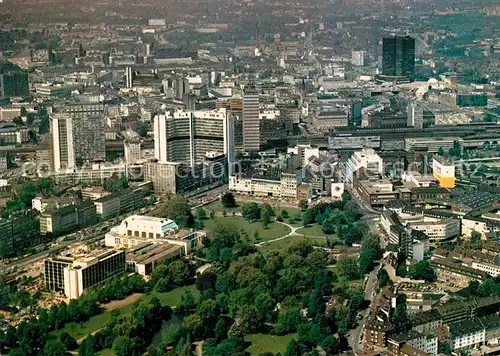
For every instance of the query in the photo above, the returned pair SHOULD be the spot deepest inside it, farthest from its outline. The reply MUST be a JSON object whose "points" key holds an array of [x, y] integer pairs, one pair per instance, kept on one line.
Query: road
{"points": [[88, 235], [355, 335]]}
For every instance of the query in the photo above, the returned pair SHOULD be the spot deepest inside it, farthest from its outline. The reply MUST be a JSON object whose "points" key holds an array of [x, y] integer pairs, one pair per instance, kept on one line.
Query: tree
{"points": [[201, 213], [193, 324], [331, 345], [46, 185], [473, 287], [221, 329], [187, 301], [309, 216], [400, 316], [181, 272], [116, 183], [348, 267], [206, 280], [329, 226], [249, 318], [177, 208], [475, 236], [422, 270], [54, 348], [383, 278], [228, 200], [207, 309], [367, 260], [172, 334], [441, 151], [288, 320], [251, 211], [86, 347], [125, 346], [265, 216], [303, 204], [351, 210], [18, 121], [294, 348], [68, 341]]}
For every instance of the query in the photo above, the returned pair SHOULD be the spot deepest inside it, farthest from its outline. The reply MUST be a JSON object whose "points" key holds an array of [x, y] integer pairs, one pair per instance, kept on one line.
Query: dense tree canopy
{"points": [[422, 270], [177, 208]]}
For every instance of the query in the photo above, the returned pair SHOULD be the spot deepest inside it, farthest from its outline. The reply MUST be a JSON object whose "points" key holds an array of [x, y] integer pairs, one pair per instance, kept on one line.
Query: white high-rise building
{"points": [[251, 123], [63, 151], [358, 58], [187, 136], [415, 116], [129, 78], [132, 150]]}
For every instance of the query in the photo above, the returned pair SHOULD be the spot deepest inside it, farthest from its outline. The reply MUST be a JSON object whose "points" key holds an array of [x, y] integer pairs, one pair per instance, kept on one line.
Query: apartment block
{"points": [[284, 185], [455, 272], [59, 221]]}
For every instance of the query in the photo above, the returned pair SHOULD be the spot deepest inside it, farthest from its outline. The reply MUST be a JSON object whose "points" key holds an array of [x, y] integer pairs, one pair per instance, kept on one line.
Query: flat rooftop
{"points": [[148, 253]]}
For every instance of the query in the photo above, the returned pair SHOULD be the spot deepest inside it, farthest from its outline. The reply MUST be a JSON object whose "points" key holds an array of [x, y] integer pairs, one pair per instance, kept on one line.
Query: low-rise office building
{"points": [[437, 230], [376, 193], [144, 258], [75, 272]]}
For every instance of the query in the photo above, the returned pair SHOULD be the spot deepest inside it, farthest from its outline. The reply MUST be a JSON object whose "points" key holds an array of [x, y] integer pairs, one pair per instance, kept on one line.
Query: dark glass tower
{"points": [[398, 57]]}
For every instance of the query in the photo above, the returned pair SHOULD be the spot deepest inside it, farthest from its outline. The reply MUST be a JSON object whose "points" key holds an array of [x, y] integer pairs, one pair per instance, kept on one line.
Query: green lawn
{"points": [[268, 343], [173, 298], [284, 244], [81, 330], [273, 231], [313, 231], [341, 281], [218, 207], [106, 352]]}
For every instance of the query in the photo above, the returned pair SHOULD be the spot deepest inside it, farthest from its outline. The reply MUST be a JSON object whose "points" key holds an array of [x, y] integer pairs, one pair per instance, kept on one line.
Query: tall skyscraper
{"points": [[187, 136], [63, 152], [415, 116], [77, 140], [181, 87], [398, 57], [251, 124], [129, 77]]}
